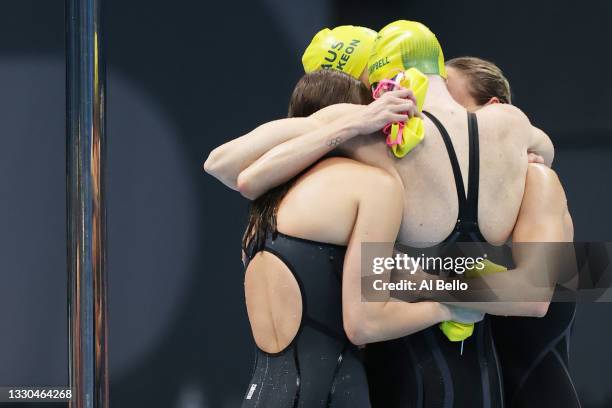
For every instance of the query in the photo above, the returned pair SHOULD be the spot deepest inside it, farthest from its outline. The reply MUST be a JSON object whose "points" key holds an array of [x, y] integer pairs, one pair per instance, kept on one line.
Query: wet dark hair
{"points": [[486, 80], [314, 91], [322, 88]]}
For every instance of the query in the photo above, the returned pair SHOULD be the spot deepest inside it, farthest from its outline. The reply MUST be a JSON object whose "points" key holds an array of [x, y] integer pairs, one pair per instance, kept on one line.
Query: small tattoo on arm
{"points": [[333, 142]]}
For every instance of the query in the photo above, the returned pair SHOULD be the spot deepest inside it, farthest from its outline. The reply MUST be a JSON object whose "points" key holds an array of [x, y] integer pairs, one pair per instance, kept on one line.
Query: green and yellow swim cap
{"points": [[402, 45], [345, 48]]}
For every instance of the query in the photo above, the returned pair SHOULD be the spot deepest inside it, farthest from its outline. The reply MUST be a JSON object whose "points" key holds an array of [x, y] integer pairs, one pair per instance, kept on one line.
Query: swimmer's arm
{"points": [[543, 218], [227, 161], [283, 162], [536, 141], [344, 122], [542, 146], [379, 213], [277, 151]]}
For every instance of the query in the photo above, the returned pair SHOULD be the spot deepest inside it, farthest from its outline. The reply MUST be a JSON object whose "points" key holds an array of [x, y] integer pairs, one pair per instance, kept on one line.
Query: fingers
{"points": [[398, 117], [406, 107], [393, 106], [395, 103], [403, 106], [535, 158], [413, 111], [401, 94], [463, 315]]}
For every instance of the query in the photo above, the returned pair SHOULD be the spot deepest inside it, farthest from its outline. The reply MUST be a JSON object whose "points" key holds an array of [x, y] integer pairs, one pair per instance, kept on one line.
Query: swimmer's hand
{"points": [[463, 315], [535, 158], [393, 106]]}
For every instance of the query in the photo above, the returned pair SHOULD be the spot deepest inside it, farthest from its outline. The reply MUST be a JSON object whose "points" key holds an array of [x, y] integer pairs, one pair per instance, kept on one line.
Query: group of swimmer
{"points": [[387, 142]]}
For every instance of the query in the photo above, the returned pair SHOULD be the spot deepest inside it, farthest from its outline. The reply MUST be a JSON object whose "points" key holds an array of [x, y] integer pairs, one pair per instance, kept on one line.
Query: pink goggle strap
{"points": [[389, 85], [385, 85], [387, 130]]}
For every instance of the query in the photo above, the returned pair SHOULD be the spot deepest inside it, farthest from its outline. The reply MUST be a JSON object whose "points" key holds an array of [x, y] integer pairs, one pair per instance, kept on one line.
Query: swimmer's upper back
{"points": [[431, 205], [503, 164], [323, 203]]}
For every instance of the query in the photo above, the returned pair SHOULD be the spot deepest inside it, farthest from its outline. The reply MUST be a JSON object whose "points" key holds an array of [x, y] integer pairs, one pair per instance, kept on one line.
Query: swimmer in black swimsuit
{"points": [[425, 369], [306, 354], [260, 141], [534, 363], [320, 367]]}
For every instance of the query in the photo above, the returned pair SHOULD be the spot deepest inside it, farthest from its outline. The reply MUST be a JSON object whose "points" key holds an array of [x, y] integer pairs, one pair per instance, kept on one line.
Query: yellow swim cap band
{"points": [[402, 45], [345, 48]]}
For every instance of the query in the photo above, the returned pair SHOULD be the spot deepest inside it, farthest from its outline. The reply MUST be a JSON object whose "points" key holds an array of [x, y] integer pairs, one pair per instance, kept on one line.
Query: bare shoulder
{"points": [[358, 177], [504, 111], [504, 117], [506, 121], [542, 134]]}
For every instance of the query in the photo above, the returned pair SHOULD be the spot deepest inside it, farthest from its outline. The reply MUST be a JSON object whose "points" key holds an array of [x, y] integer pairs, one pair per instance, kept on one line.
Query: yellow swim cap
{"points": [[405, 44], [345, 48]]}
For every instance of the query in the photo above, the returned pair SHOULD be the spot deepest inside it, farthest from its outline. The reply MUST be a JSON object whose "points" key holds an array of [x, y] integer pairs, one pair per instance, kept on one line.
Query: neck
{"points": [[438, 95]]}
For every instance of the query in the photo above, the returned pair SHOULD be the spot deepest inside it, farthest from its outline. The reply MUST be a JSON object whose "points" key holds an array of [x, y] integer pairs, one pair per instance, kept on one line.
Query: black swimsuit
{"points": [[320, 367], [425, 369], [534, 355]]}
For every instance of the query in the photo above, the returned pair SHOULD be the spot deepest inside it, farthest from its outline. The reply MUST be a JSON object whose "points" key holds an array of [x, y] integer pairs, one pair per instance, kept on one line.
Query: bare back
{"points": [[321, 206], [431, 206]]}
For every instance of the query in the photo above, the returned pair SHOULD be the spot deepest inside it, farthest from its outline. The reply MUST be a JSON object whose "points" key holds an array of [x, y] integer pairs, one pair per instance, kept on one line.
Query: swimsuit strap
{"points": [[453, 161], [471, 214], [467, 219]]}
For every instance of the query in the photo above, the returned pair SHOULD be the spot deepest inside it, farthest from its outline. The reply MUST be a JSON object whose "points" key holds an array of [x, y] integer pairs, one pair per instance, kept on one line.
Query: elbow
{"points": [[217, 165], [357, 331], [245, 187], [211, 165], [538, 309], [356, 335]]}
